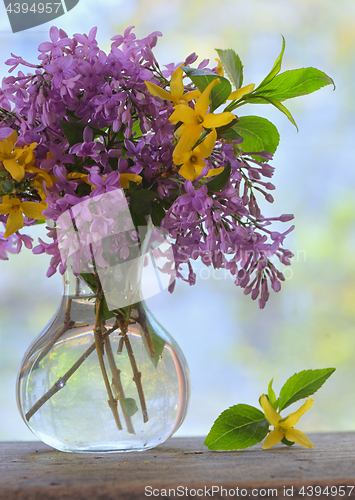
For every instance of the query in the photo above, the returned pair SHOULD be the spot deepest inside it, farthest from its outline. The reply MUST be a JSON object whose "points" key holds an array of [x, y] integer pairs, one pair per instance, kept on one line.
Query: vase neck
{"points": [[76, 286]]}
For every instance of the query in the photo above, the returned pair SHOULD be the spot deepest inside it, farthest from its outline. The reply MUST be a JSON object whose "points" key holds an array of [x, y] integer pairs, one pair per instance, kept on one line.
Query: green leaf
{"points": [[158, 213], [140, 201], [276, 67], [239, 427], [105, 312], [202, 79], [287, 442], [90, 280], [73, 131], [271, 393], [233, 66], [259, 135], [232, 134], [218, 182], [129, 405], [294, 83], [7, 186], [303, 384], [275, 103], [136, 130]]}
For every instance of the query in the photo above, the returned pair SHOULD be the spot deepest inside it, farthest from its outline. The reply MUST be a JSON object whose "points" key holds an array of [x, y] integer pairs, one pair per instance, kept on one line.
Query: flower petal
{"points": [[189, 96], [158, 91], [214, 171], [218, 120], [204, 149], [33, 210], [292, 419], [298, 437], [125, 178], [184, 114], [187, 171], [270, 413], [204, 100], [188, 139], [176, 85], [238, 94], [14, 222], [273, 438], [16, 170]]}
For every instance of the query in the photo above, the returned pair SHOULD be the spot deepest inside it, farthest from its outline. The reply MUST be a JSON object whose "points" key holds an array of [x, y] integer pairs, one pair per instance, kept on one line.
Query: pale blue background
{"points": [[234, 349]]}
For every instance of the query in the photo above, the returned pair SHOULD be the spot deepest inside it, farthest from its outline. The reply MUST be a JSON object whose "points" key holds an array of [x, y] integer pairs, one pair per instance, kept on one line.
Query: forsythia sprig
{"points": [[242, 426]]}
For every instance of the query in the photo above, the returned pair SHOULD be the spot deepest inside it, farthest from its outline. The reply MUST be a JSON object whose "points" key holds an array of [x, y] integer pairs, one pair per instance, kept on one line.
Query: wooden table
{"points": [[33, 471]]}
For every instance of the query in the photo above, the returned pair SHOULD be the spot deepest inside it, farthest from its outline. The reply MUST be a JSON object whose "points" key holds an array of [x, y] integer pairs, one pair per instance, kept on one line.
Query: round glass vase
{"points": [[122, 386]]}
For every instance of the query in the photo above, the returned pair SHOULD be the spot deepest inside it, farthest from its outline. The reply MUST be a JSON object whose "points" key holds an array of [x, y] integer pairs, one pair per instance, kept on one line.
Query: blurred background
{"points": [[232, 347]]}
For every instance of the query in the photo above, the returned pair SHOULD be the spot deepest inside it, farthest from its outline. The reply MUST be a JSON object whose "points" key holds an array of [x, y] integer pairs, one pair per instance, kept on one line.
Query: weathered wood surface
{"points": [[33, 471]]}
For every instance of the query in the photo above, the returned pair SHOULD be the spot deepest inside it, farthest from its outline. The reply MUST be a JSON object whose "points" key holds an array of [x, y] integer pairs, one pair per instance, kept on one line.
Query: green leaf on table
{"points": [[259, 135], [287, 442], [233, 65], [129, 405], [303, 384], [276, 67], [202, 79], [239, 427], [293, 83], [218, 182]]}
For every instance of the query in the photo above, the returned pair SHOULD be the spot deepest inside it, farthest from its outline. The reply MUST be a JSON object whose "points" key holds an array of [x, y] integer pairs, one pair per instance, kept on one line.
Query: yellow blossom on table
{"points": [[16, 208], [195, 120], [191, 161], [176, 94], [284, 426]]}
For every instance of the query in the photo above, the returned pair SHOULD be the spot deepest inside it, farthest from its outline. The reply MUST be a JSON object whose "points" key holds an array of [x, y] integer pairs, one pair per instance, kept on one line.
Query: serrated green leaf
{"points": [[218, 182], [271, 393], [233, 65], [129, 405], [259, 135], [239, 427], [276, 67], [294, 83], [303, 384], [202, 79]]}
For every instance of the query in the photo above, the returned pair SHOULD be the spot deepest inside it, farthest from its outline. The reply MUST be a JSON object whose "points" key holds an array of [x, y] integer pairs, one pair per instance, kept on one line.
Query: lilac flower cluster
{"points": [[96, 128]]}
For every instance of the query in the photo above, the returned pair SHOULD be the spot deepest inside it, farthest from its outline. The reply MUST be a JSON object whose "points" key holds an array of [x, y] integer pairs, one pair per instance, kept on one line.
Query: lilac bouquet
{"points": [[81, 123], [109, 148]]}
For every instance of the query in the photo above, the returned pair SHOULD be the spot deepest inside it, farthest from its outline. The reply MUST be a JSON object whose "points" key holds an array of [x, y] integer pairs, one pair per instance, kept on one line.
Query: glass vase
{"points": [[121, 387]]}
